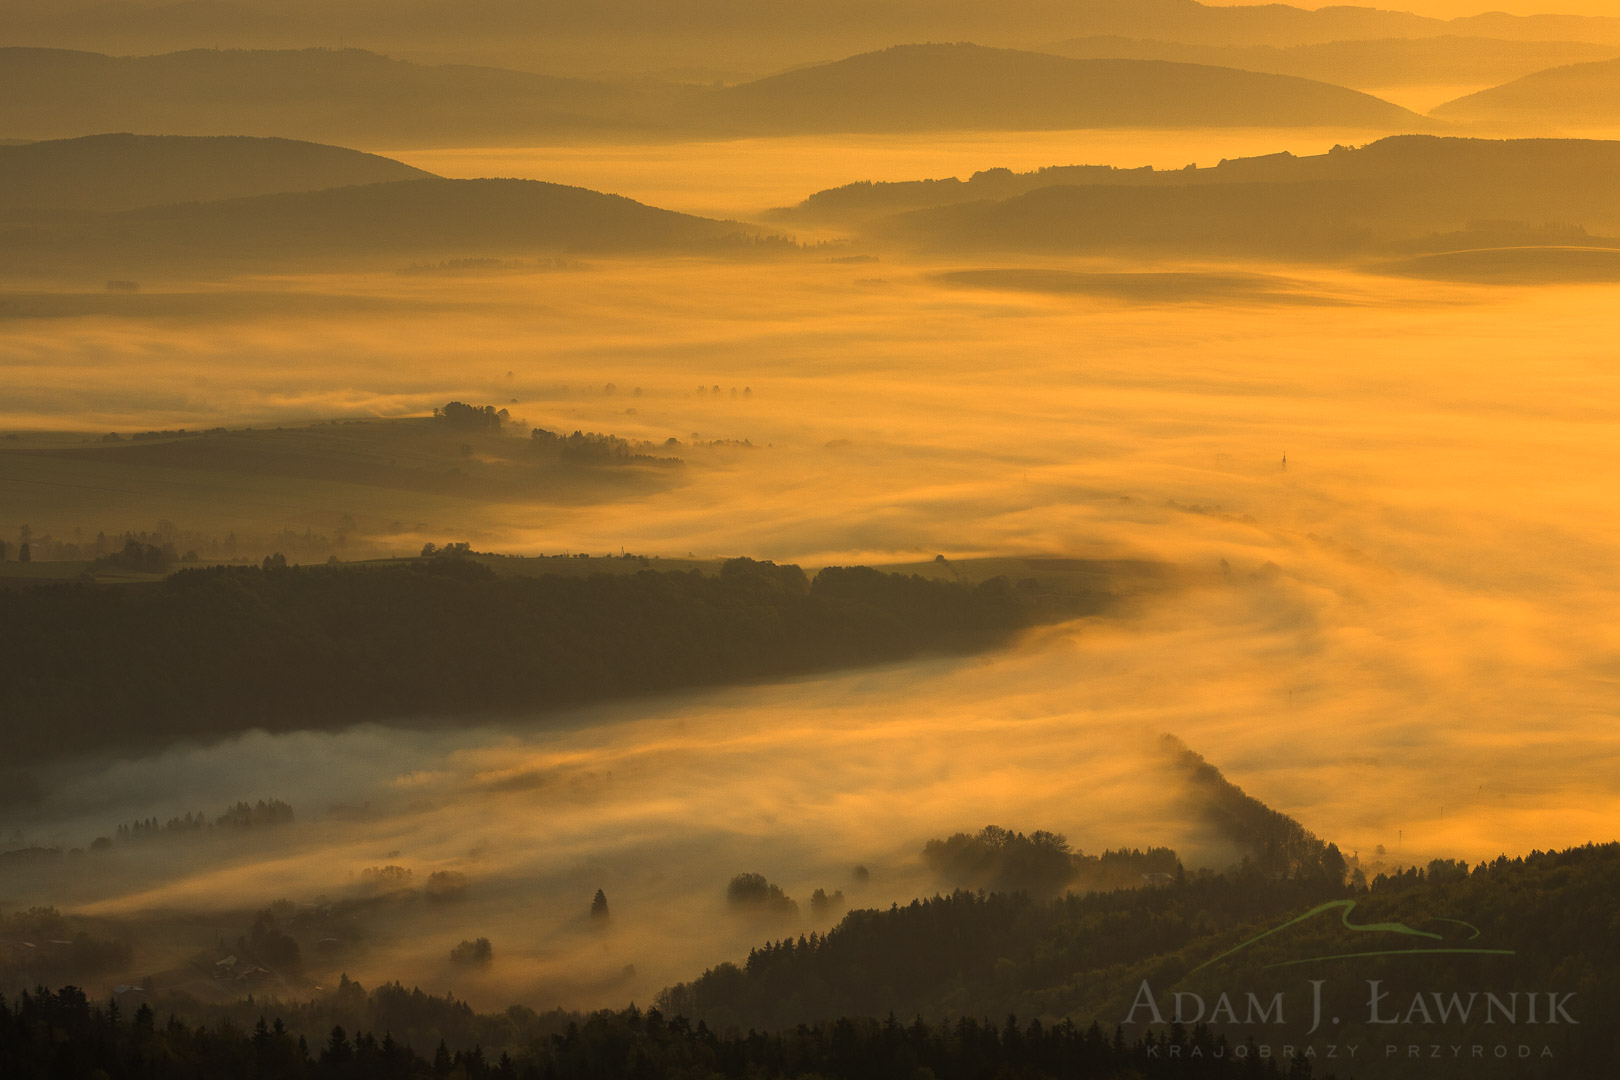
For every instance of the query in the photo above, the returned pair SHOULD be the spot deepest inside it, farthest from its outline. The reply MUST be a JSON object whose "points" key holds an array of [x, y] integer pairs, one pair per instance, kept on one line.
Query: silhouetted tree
{"points": [[753, 892], [478, 952]]}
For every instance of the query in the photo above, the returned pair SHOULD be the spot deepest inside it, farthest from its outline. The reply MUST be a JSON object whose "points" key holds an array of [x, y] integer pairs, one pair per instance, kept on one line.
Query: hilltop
{"points": [[1575, 94], [963, 86], [123, 172]]}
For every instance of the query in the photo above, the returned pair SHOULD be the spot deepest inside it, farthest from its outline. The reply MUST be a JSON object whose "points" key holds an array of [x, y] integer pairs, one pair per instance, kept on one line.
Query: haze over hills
{"points": [[360, 98], [962, 86], [1562, 97], [122, 172], [649, 35], [359, 224], [342, 96], [1405, 193], [1364, 64]]}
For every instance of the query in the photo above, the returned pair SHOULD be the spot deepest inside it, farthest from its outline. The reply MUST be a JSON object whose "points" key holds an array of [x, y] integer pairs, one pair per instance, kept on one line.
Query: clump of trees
{"points": [[599, 906], [475, 953], [753, 893], [464, 417], [385, 879], [1041, 863], [139, 557], [822, 904], [590, 448], [1003, 861], [458, 549], [261, 814], [443, 885]]}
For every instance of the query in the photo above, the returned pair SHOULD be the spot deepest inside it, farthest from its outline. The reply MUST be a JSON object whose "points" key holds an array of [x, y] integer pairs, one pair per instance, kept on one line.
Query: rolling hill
{"points": [[123, 172], [360, 98], [1574, 95], [962, 86], [430, 218], [1407, 193]]}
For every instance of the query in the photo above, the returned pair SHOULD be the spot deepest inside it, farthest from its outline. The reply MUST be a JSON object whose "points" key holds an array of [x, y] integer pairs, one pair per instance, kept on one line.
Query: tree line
{"points": [[49, 1035], [212, 651], [1518, 929]]}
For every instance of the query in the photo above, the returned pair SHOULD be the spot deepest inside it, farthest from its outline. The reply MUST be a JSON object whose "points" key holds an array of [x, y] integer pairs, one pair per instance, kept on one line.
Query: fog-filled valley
{"points": [[792, 531]]}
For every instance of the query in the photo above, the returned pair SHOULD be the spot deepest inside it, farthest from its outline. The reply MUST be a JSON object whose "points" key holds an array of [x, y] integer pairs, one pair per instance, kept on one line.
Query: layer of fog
{"points": [[1409, 643], [742, 177]]}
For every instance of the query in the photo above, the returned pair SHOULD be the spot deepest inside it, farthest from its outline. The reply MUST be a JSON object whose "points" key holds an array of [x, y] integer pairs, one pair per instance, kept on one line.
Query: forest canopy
{"points": [[212, 651]]}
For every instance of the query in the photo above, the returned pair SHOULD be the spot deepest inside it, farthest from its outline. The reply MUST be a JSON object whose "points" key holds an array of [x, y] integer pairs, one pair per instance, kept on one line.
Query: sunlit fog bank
{"points": [[1348, 719], [1399, 635]]}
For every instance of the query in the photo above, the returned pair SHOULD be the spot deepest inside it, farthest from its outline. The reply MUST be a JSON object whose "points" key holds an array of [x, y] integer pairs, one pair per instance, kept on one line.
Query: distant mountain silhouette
{"points": [[360, 98], [1559, 98], [648, 35], [921, 87], [1408, 192], [122, 172], [345, 96], [1365, 64], [411, 218]]}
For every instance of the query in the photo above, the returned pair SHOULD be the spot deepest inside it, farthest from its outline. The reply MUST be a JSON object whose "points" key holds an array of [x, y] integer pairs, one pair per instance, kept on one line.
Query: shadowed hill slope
{"points": [[919, 87], [123, 172], [361, 98], [1554, 99]]}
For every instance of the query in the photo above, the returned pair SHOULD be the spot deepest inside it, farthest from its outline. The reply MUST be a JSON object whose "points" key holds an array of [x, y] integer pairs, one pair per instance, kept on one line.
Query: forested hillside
{"points": [[967, 987], [209, 652]]}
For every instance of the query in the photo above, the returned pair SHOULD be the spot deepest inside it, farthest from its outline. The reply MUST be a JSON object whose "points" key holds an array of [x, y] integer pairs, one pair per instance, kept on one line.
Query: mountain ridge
{"points": [[356, 97], [966, 86]]}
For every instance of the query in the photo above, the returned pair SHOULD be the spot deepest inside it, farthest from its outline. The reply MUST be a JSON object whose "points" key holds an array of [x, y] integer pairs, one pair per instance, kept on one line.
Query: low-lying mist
{"points": [[1399, 635]]}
